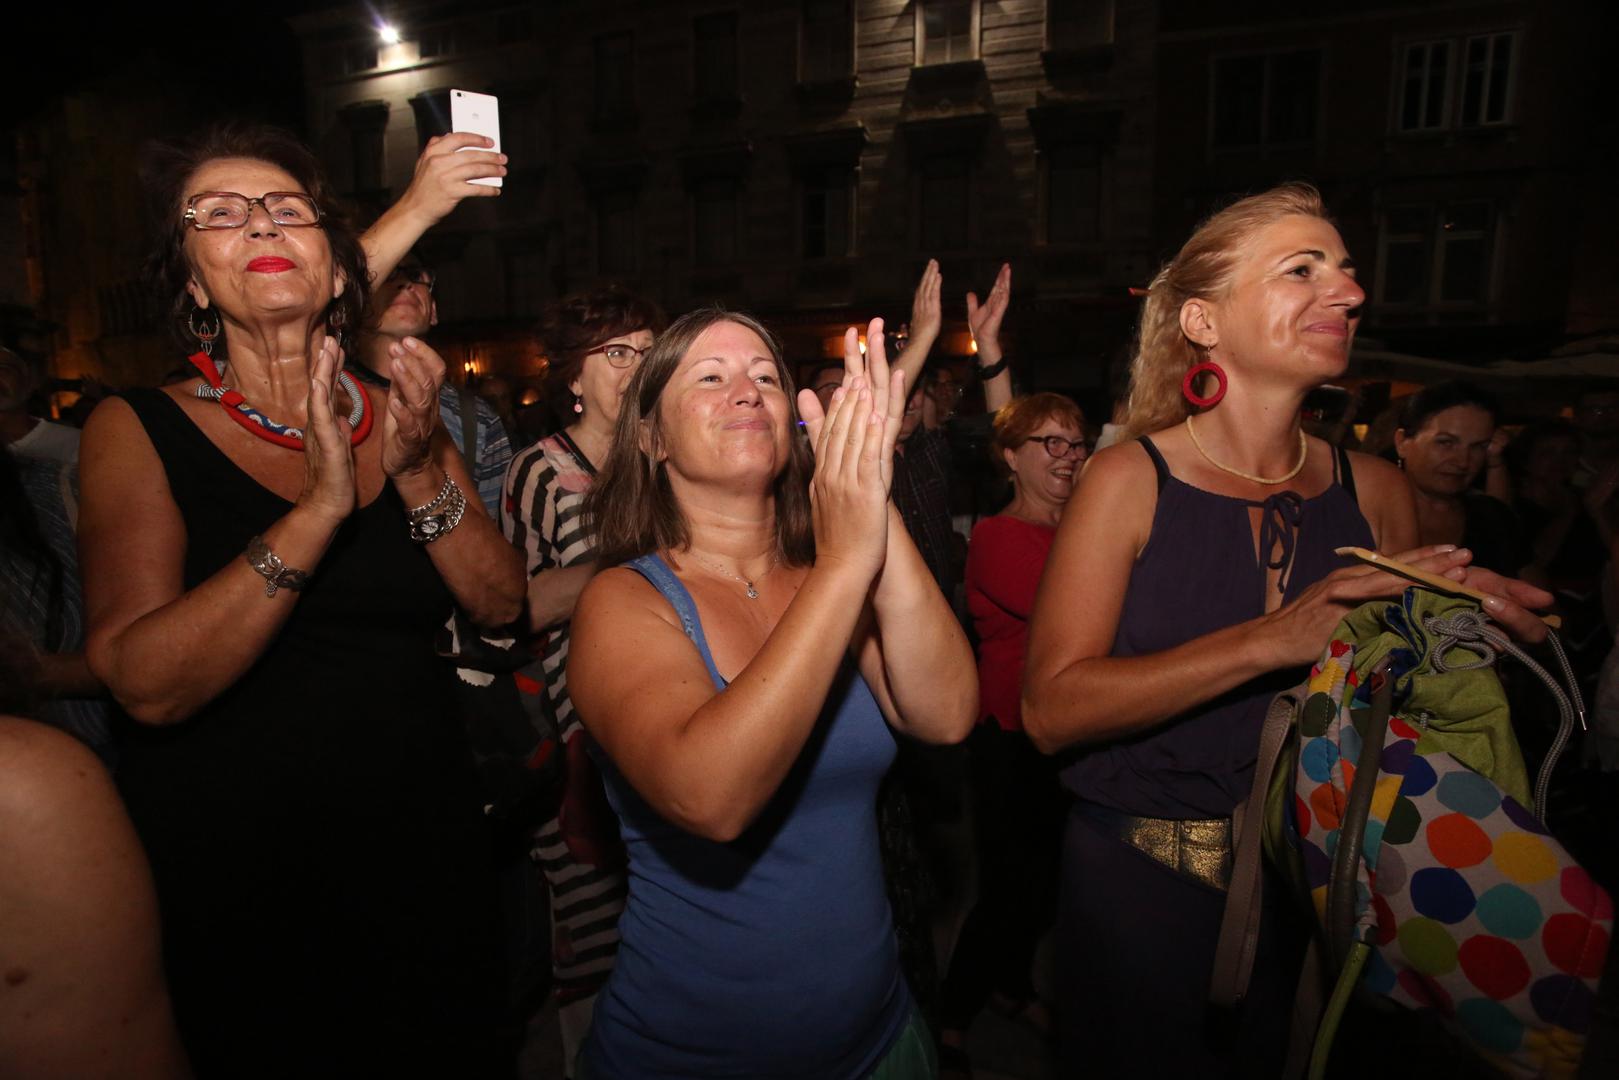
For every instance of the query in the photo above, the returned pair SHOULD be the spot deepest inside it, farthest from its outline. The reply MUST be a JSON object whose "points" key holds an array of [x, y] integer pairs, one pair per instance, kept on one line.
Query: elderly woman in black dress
{"points": [[267, 551]]}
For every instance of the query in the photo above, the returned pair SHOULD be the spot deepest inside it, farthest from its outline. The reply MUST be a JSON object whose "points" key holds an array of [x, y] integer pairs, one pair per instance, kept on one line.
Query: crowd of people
{"points": [[271, 612]]}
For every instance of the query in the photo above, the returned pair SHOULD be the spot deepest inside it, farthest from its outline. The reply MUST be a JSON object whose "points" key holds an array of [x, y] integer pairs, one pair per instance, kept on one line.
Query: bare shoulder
{"points": [[52, 781], [1118, 486], [1374, 472], [620, 596], [56, 797], [1385, 500]]}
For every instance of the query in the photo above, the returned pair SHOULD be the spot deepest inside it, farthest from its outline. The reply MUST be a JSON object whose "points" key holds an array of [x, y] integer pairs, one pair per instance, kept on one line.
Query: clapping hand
{"points": [[854, 453], [416, 372], [927, 312], [328, 454], [984, 320]]}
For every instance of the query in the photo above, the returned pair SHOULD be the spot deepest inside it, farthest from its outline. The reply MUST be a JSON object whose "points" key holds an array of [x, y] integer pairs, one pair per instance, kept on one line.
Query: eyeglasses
{"points": [[621, 355], [415, 275], [228, 210], [1059, 447]]}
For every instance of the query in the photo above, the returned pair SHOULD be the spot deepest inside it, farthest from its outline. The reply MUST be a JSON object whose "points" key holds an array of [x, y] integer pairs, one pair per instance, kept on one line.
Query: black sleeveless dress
{"points": [[1138, 938], [319, 851]]}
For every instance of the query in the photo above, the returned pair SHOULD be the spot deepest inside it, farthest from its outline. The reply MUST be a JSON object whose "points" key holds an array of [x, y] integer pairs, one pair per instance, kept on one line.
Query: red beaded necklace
{"points": [[237, 408]]}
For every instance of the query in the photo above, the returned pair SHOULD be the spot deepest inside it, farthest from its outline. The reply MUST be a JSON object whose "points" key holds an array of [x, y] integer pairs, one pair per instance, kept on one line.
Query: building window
{"points": [[1074, 25], [714, 74], [1437, 93], [436, 41], [358, 57], [1073, 194], [1266, 100], [829, 213], [946, 193], [614, 74], [615, 233], [432, 111], [1425, 86], [1436, 257], [827, 43], [1486, 78], [714, 222], [946, 31]]}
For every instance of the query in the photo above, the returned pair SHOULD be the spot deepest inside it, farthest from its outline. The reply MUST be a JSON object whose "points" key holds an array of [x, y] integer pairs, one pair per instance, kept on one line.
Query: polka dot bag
{"points": [[1394, 796]]}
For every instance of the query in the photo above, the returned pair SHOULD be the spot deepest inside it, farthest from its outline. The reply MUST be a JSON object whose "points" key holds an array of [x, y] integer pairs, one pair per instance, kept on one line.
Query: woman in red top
{"points": [[1019, 807]]}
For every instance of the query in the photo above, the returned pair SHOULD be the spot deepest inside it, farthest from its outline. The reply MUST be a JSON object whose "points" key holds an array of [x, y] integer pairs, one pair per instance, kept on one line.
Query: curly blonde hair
{"points": [[1202, 268]]}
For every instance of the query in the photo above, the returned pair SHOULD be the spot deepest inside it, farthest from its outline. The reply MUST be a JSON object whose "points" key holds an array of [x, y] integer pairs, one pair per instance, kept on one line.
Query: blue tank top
{"points": [[1199, 573], [772, 956]]}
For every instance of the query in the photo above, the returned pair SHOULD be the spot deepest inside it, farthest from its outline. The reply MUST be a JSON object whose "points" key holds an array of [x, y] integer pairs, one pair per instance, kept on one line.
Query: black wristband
{"points": [[987, 373]]}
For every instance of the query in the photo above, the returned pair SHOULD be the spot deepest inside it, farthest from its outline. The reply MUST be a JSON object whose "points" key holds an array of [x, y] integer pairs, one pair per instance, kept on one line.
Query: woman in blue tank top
{"points": [[1192, 578], [741, 671]]}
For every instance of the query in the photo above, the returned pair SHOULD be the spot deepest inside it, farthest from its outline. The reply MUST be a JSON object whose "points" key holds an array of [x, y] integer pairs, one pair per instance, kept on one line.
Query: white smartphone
{"points": [[479, 114]]}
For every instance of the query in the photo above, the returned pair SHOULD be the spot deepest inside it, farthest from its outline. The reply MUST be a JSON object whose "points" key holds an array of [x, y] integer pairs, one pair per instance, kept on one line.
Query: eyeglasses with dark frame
{"points": [[415, 275], [620, 354], [1059, 447], [230, 209]]}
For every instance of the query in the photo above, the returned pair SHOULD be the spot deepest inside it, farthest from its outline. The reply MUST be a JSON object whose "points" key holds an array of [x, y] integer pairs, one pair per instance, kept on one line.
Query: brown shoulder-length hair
{"points": [[166, 168], [576, 325], [1203, 267], [631, 506]]}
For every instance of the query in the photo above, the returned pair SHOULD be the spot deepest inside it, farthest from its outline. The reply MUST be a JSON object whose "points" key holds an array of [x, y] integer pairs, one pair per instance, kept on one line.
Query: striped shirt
{"points": [[543, 516]]}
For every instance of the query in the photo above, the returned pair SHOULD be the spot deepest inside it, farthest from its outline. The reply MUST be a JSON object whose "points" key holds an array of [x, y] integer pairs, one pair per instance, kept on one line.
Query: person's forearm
{"points": [[392, 236], [68, 675], [165, 665], [733, 753], [483, 572], [927, 662], [997, 390], [915, 356], [1103, 697], [554, 593]]}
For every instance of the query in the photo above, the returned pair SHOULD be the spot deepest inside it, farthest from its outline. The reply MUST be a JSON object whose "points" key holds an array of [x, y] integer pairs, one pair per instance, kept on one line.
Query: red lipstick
{"points": [[270, 264]]}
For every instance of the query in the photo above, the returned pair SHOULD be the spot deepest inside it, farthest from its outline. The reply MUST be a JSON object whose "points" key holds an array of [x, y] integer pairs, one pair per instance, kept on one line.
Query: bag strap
{"points": [[1239, 926], [1342, 891]]}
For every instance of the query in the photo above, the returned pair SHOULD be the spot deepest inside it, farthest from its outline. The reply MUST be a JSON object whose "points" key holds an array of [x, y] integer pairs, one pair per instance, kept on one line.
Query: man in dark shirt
{"points": [[923, 466]]}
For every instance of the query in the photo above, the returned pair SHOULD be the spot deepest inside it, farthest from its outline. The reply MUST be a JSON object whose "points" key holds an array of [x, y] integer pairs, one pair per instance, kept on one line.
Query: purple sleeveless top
{"points": [[1197, 574]]}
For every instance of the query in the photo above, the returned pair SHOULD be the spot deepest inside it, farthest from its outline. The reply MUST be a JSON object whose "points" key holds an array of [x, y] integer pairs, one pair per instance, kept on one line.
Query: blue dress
{"points": [[772, 956]]}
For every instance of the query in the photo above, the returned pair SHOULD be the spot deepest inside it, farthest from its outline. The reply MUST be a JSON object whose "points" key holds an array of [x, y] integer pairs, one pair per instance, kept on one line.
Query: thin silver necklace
{"points": [[753, 592]]}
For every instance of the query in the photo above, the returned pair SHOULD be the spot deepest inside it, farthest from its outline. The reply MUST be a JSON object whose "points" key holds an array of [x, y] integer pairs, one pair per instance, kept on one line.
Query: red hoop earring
{"points": [[1191, 377]]}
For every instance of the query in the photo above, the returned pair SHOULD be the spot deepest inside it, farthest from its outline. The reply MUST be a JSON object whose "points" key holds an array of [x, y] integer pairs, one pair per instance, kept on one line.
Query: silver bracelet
{"points": [[439, 517], [433, 504], [277, 574]]}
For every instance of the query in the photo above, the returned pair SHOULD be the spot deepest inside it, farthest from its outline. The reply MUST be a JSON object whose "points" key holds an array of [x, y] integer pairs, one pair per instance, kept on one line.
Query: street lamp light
{"points": [[388, 33]]}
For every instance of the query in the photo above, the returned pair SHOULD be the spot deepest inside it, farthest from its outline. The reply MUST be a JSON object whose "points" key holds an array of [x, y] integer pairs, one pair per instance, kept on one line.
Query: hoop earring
{"points": [[1187, 384], [207, 333], [337, 319]]}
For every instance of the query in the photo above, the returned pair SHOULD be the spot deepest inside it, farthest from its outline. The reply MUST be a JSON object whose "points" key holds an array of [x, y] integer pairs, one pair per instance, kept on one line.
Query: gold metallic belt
{"points": [[1200, 849]]}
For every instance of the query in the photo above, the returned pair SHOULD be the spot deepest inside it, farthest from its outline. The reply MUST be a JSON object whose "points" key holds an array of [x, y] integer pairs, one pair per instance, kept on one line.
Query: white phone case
{"points": [[479, 114]]}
